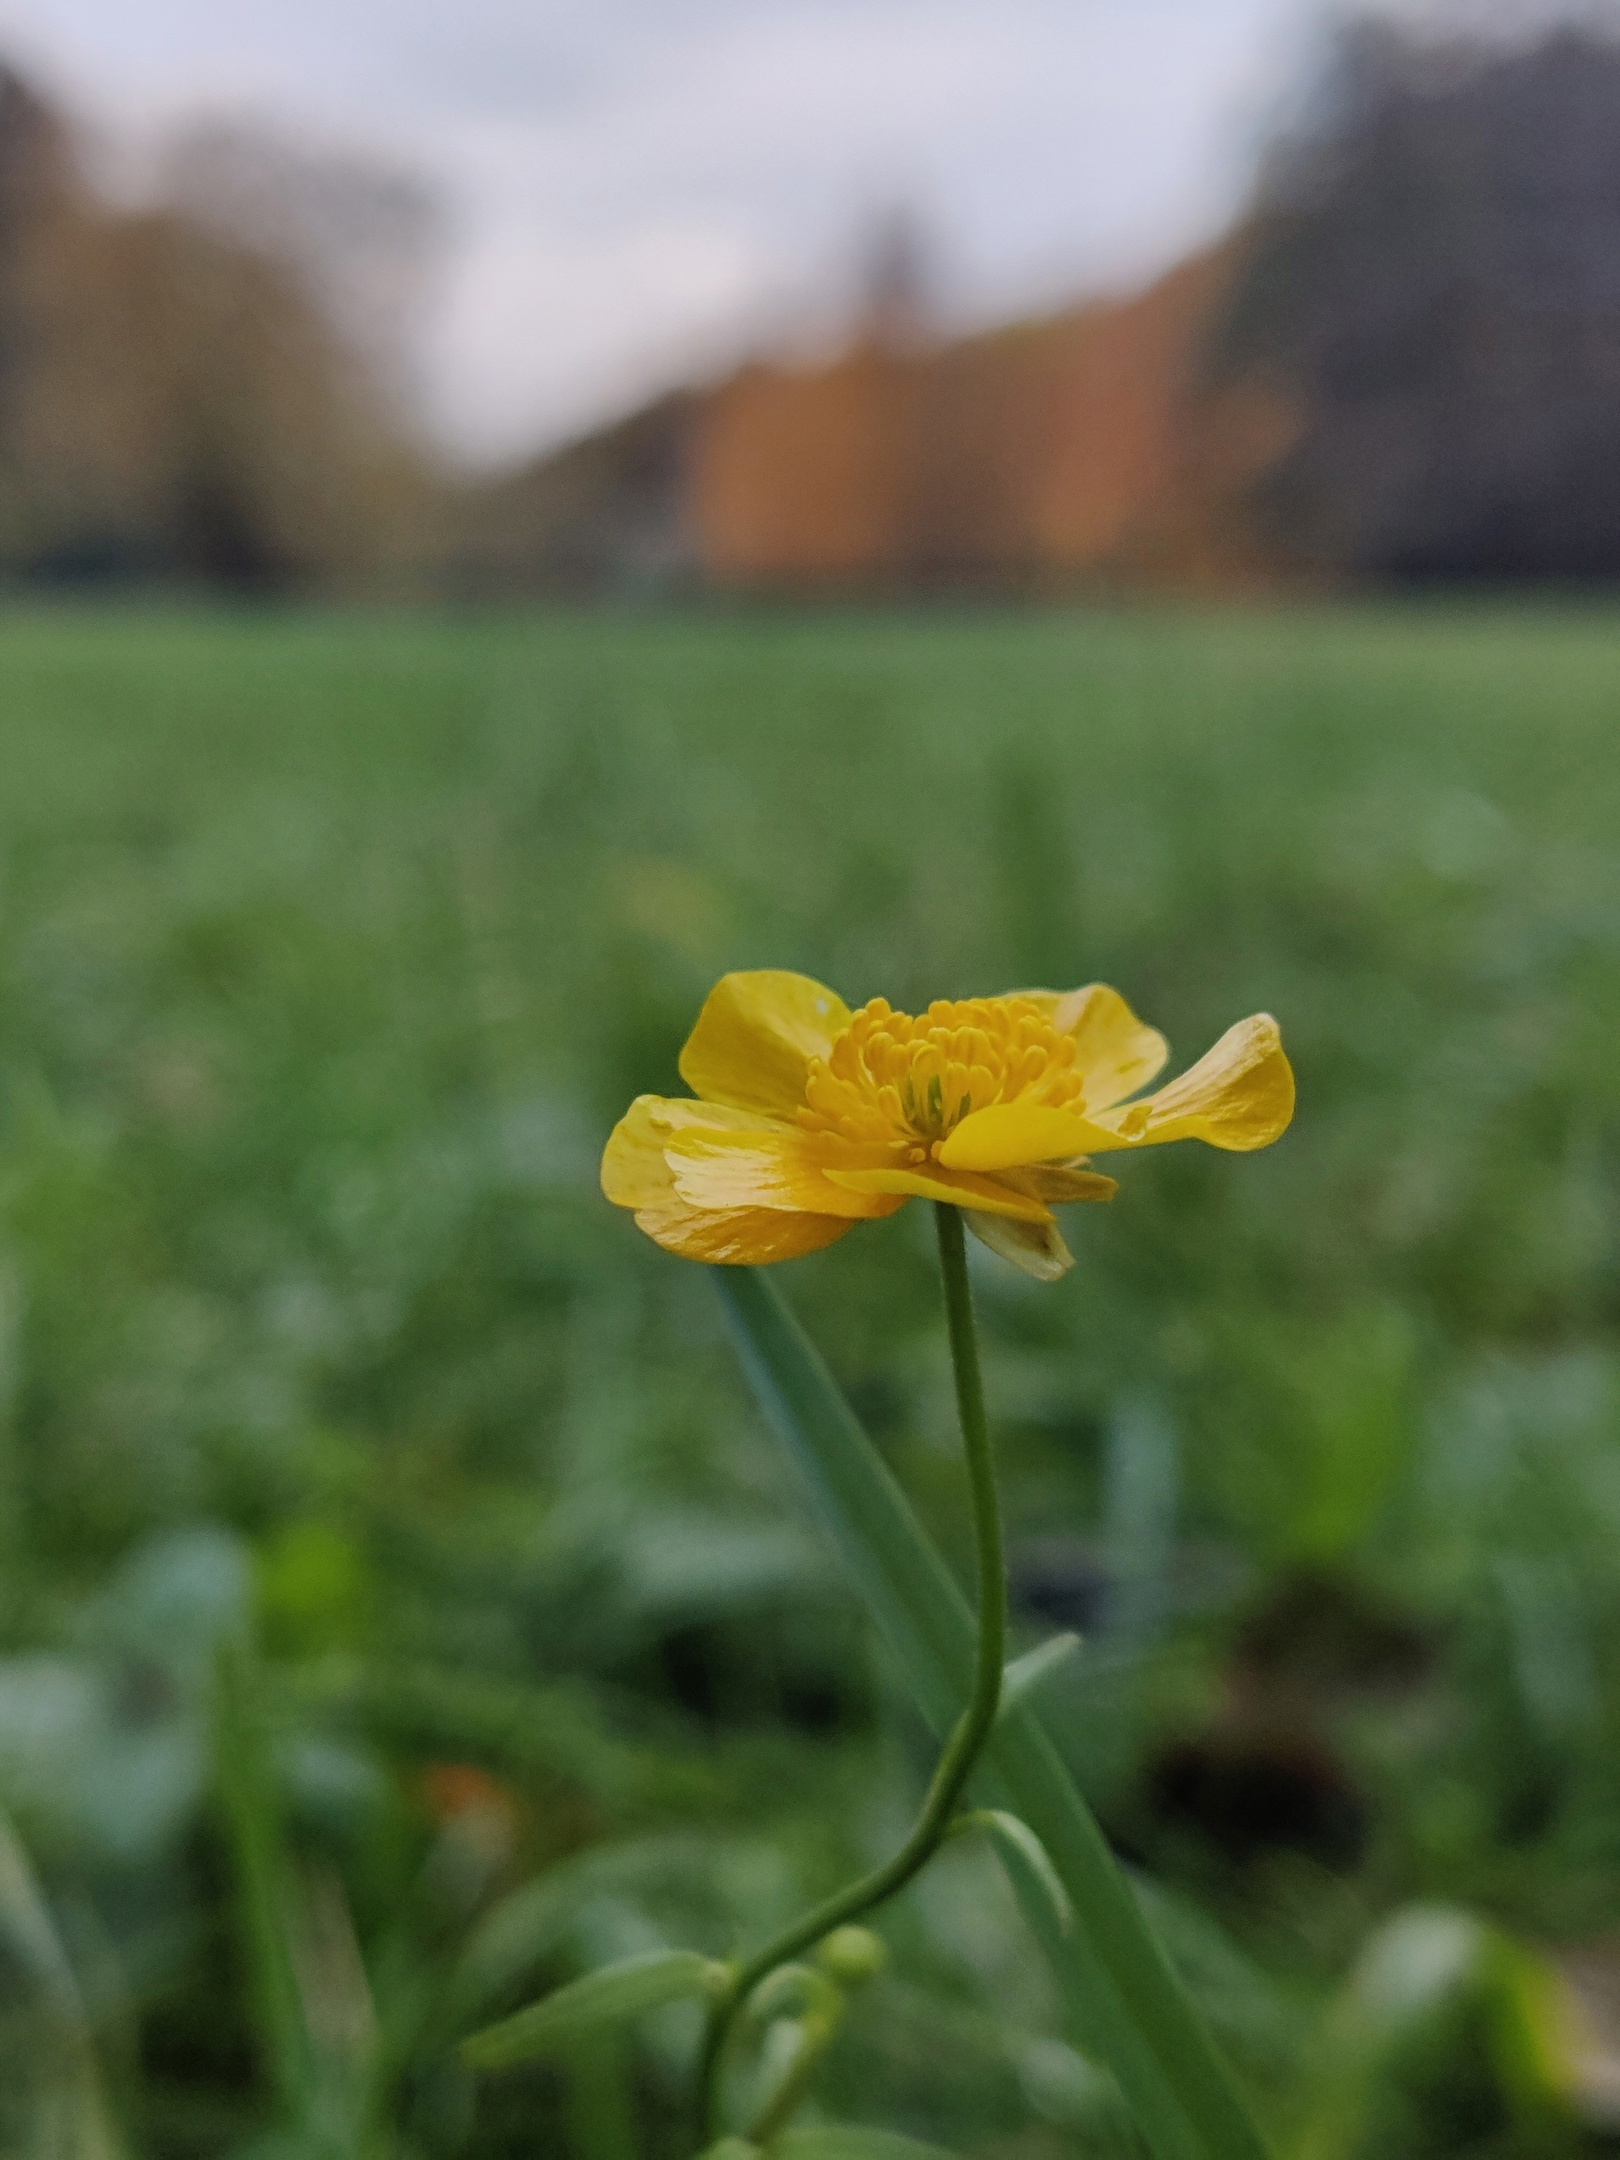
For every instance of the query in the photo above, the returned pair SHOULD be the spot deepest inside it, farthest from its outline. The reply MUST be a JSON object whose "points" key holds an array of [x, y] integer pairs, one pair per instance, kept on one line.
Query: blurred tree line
{"points": [[1433, 281], [201, 389], [1424, 299], [1403, 365]]}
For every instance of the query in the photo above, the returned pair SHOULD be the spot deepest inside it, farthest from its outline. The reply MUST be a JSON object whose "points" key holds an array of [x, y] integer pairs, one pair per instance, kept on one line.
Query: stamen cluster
{"points": [[894, 1076]]}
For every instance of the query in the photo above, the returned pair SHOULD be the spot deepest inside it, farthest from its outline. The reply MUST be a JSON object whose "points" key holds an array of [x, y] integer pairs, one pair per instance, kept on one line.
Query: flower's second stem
{"points": [[972, 1729]]}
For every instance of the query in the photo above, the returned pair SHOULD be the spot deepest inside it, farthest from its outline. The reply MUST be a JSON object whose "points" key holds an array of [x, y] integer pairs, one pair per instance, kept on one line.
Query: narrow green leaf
{"points": [[1024, 1850], [600, 1998], [527, 1925], [1126, 2003], [265, 1889], [841, 2141], [1034, 1669]]}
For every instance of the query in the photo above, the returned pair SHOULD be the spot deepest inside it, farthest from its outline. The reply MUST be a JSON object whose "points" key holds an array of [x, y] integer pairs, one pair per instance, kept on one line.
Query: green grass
{"points": [[330, 949]]}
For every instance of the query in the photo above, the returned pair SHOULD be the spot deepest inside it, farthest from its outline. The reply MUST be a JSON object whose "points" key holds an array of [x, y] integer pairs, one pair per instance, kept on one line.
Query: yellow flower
{"points": [[809, 1118]]}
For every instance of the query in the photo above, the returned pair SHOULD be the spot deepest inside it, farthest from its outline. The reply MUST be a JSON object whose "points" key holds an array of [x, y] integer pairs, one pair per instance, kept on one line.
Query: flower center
{"points": [[894, 1077]]}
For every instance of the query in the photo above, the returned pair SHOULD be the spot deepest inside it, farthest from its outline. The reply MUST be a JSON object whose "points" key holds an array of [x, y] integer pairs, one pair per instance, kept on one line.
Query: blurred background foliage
{"points": [[1401, 363], [403, 1607]]}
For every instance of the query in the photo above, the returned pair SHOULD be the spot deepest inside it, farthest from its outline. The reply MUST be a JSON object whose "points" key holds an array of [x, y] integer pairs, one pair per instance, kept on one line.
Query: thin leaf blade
{"points": [[585, 2006], [1024, 1675], [1126, 2003], [1024, 1850]]}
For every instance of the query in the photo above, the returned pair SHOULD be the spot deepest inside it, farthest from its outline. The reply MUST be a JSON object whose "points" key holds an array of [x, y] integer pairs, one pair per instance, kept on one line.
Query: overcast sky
{"points": [[637, 188]]}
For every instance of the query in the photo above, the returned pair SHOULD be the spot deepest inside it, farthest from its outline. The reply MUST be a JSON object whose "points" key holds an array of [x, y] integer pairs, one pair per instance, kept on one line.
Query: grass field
{"points": [[329, 951]]}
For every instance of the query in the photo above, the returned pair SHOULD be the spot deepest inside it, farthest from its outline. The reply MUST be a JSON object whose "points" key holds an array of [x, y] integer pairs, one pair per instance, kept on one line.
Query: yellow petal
{"points": [[776, 1168], [1010, 1136], [1115, 1053], [739, 1237], [1037, 1248], [935, 1182], [636, 1174], [1239, 1095], [755, 1037]]}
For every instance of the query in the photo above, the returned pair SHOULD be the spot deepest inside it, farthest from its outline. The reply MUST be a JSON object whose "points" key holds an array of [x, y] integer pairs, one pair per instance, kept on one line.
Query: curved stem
{"points": [[818, 2028], [972, 1729]]}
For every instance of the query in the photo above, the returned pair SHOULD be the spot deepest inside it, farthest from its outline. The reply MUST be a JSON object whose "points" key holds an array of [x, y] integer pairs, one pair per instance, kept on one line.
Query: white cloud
{"points": [[545, 331]]}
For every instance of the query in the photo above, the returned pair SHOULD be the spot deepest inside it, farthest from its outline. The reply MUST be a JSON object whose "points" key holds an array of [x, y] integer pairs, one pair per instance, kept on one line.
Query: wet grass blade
{"points": [[1126, 2004]]}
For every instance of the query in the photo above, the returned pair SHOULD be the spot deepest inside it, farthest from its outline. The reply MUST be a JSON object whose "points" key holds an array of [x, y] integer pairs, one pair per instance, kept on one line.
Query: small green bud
{"points": [[851, 1956]]}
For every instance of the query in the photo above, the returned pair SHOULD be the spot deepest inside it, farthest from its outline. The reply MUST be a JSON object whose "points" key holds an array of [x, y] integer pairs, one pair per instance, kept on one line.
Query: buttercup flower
{"points": [[806, 1118]]}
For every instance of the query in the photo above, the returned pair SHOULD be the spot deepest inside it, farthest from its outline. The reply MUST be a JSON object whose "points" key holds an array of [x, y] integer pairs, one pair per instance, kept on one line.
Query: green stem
{"points": [[966, 1743], [1122, 1997], [817, 2031]]}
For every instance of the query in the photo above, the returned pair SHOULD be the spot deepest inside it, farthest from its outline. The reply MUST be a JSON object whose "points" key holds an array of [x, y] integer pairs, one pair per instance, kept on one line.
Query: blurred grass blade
{"points": [[1126, 2003], [836, 2141], [1023, 1848], [557, 1731], [1417, 1965], [265, 1891], [1034, 1669], [1424, 1970], [70, 2117], [584, 2006]]}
